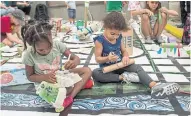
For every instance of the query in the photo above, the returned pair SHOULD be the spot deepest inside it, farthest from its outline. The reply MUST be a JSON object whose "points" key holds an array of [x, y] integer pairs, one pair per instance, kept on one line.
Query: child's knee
{"points": [[136, 67], [95, 73], [164, 15], [87, 70], [145, 17], [69, 90]]}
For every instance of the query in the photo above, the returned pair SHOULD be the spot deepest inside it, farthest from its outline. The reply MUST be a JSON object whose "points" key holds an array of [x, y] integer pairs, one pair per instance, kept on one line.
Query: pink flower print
{"points": [[48, 68], [44, 67], [56, 63]]}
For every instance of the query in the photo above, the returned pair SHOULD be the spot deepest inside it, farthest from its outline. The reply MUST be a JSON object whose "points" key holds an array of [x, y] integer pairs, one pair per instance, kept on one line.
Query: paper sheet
{"points": [[9, 54], [175, 78], [7, 49], [15, 60]]}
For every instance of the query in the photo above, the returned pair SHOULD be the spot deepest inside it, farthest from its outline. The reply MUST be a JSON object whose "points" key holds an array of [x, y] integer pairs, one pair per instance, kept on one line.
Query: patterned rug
{"points": [[113, 98]]}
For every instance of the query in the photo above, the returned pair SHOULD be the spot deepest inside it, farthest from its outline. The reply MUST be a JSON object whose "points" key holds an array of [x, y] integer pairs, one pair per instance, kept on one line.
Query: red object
{"points": [[179, 52], [67, 101], [6, 78], [5, 24], [89, 84]]}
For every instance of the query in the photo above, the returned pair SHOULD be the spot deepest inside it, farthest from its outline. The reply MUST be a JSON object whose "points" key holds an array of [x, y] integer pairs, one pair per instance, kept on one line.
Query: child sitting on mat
{"points": [[11, 24], [153, 20], [109, 49], [43, 58]]}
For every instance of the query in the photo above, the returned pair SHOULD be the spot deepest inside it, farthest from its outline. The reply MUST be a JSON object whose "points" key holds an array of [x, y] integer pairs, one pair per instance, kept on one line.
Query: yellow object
{"points": [[174, 31], [59, 109], [62, 67]]}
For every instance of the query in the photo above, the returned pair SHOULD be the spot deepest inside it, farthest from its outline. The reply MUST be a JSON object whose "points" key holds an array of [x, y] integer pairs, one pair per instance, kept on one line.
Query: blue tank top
{"points": [[109, 47]]}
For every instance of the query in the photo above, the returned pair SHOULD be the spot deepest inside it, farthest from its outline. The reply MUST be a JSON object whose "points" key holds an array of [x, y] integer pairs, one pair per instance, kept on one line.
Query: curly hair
{"points": [[34, 32], [115, 20]]}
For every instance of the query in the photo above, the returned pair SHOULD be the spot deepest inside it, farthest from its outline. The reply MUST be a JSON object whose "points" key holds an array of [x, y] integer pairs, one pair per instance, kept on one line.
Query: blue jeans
{"points": [[6, 11], [72, 13]]}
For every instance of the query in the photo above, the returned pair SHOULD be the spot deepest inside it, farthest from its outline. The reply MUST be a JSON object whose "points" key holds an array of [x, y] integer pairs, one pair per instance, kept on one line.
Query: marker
{"points": [[69, 57]]}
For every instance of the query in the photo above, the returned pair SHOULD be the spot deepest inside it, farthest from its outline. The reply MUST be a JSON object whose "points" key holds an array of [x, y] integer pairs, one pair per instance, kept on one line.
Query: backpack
{"points": [[186, 32], [41, 13]]}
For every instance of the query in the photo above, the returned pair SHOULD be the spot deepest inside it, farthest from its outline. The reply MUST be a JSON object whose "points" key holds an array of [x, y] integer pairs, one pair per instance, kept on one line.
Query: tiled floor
{"points": [[175, 78], [113, 89], [168, 69]]}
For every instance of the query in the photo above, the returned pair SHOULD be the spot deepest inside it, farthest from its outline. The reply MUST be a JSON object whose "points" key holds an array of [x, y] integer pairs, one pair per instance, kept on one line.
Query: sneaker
{"points": [[67, 101], [130, 77], [148, 41], [159, 40], [162, 90], [89, 84]]}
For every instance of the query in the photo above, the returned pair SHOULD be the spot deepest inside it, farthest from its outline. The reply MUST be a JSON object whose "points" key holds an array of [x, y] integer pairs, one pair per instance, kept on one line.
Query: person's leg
{"points": [[146, 28], [143, 76], [74, 16], [188, 6], [6, 11], [161, 26], [158, 28], [183, 12], [85, 73], [3, 11], [99, 76], [70, 15], [158, 90]]}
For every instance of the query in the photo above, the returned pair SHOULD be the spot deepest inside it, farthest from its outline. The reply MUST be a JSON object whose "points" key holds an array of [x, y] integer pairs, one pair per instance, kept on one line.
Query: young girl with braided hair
{"points": [[43, 55]]}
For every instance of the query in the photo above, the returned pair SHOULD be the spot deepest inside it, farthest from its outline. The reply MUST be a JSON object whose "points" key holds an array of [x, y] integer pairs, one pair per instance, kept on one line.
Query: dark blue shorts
{"points": [[72, 13]]}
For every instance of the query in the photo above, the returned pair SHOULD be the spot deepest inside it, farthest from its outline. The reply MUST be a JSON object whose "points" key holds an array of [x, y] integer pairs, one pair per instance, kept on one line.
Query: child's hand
{"points": [[164, 10], [125, 60], [112, 57], [149, 12], [51, 77], [70, 64]]}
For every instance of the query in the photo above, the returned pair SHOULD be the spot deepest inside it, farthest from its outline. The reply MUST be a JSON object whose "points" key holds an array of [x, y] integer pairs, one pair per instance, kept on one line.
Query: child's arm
{"points": [[67, 5], [141, 11], [169, 12], [124, 51], [13, 38], [39, 77], [105, 2], [98, 51]]}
